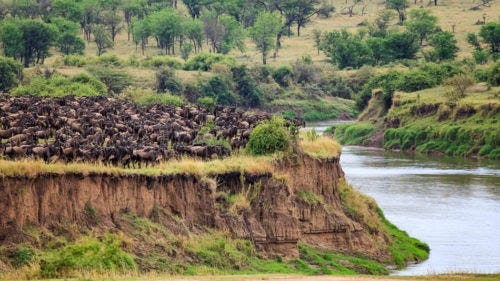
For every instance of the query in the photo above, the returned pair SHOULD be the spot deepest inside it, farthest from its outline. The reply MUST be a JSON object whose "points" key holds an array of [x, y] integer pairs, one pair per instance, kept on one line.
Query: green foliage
{"points": [[444, 44], [223, 32], [269, 137], [310, 198], [108, 61], [75, 60], [404, 248], [67, 37], [58, 86], [493, 74], [102, 39], [167, 81], [116, 80], [346, 49], [283, 75], [186, 49], [206, 102], [264, 32], [204, 61], [400, 7], [27, 39], [161, 61], [421, 23], [315, 261], [358, 133], [480, 56], [144, 97], [87, 254], [22, 256], [217, 89], [10, 73], [490, 33], [166, 25], [245, 87]]}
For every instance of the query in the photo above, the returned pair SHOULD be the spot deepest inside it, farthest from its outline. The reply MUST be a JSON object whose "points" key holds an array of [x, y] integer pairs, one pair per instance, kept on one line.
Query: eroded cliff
{"points": [[298, 202]]}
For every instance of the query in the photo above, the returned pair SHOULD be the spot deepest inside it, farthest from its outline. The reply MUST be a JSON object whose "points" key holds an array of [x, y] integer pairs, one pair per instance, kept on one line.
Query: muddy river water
{"points": [[452, 204]]}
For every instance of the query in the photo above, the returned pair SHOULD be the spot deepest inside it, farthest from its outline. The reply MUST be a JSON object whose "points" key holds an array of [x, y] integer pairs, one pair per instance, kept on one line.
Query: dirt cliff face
{"points": [[298, 202]]}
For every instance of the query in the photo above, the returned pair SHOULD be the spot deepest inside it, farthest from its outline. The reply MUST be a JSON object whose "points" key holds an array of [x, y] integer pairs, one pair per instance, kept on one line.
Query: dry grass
{"points": [[246, 164], [323, 147], [450, 13]]}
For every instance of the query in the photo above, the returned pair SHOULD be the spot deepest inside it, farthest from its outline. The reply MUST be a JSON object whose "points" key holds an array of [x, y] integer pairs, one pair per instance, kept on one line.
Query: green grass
{"points": [[352, 134], [315, 109]]}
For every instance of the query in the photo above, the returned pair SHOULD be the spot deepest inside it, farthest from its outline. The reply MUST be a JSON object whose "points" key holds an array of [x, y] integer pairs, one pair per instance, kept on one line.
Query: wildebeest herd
{"points": [[117, 131]]}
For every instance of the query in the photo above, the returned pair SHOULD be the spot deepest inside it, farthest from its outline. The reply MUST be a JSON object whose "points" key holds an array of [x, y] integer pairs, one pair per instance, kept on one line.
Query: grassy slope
{"points": [[429, 124]]}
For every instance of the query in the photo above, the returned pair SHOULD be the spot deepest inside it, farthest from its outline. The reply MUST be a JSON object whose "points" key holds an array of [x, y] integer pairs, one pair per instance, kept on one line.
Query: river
{"points": [[452, 204]]}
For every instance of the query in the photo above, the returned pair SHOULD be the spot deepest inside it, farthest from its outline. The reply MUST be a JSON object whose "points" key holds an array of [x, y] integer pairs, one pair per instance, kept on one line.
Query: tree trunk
{"points": [[264, 59]]}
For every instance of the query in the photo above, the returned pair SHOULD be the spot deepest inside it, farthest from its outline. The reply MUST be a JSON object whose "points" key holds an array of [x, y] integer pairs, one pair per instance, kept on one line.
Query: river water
{"points": [[452, 204]]}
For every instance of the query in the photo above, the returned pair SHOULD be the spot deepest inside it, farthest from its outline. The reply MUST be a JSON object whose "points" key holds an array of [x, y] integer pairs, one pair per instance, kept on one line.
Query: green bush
{"points": [[116, 80], [144, 97], [206, 102], [204, 61], [283, 76], [162, 61], [269, 137], [167, 81], [88, 254], [75, 60], [217, 89], [10, 73], [245, 87], [57, 86], [415, 80], [494, 74], [353, 134], [108, 61]]}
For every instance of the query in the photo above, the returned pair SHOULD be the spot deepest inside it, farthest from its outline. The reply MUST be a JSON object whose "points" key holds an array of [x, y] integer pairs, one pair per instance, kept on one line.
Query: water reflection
{"points": [[451, 204]]}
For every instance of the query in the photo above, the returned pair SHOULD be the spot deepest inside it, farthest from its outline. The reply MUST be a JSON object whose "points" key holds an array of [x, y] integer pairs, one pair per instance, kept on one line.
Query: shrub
{"points": [[10, 73], [116, 80], [415, 80], [204, 61], [167, 81], [144, 97], [57, 86], [109, 60], [246, 89], [206, 102], [480, 56], [283, 76], [458, 84], [494, 74], [217, 89], [87, 254], [74, 60], [269, 137], [305, 72], [162, 61]]}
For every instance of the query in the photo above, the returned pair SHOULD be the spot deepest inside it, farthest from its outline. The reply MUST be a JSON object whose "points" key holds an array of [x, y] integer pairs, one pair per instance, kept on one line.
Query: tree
{"points": [[317, 39], [10, 73], [490, 33], [68, 9], [346, 49], [383, 19], [140, 33], [102, 39], [421, 23], [264, 32], [223, 32], [400, 7], [12, 39], [458, 85], [245, 87], [445, 45], [67, 39], [89, 17], [300, 11], [194, 7], [401, 45], [133, 9], [193, 29], [166, 26], [37, 39], [112, 21]]}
